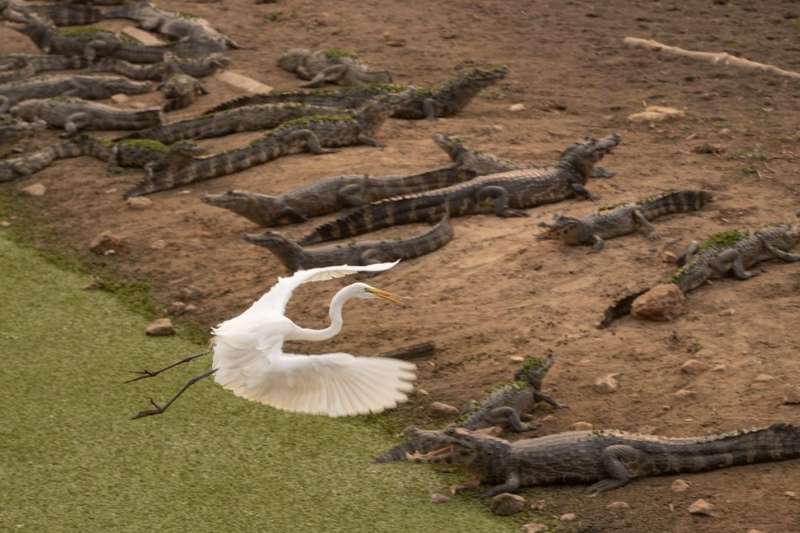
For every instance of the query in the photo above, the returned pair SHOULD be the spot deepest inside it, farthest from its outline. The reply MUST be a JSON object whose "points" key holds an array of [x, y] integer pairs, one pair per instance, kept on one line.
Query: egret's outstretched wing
{"points": [[273, 304], [336, 384]]}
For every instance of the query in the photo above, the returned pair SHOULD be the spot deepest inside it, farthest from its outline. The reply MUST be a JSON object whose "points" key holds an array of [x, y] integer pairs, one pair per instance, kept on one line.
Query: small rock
{"points": [[516, 359], [159, 244], [37, 189], [396, 43], [492, 431], [701, 507], [792, 396], [568, 517], [189, 293], [517, 107], [546, 419], [693, 366], [708, 148], [176, 308], [669, 257], [538, 505], [442, 408], [5, 224], [104, 242], [763, 378], [161, 327], [791, 494], [685, 393], [506, 504], [606, 384], [618, 505], [533, 527], [662, 302], [720, 368], [439, 498], [190, 308], [423, 392], [138, 105], [755, 531], [679, 485], [656, 113], [139, 202], [120, 98], [582, 426], [94, 284], [728, 312]]}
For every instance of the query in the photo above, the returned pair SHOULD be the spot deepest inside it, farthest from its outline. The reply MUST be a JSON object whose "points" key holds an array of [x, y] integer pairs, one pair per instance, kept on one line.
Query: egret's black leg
{"points": [[157, 410], [142, 374]]}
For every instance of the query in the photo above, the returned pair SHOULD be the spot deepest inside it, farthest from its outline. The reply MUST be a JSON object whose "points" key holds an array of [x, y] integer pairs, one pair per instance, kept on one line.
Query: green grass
{"points": [[71, 460]]}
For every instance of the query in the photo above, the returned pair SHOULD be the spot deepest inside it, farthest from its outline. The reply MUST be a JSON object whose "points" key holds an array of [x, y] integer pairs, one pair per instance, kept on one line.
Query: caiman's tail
{"points": [[676, 202], [241, 101], [153, 181], [777, 442], [377, 215], [621, 308]]}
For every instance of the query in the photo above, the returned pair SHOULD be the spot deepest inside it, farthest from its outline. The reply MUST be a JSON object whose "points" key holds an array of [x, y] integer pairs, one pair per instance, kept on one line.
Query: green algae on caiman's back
{"points": [[147, 144], [722, 240], [338, 53]]}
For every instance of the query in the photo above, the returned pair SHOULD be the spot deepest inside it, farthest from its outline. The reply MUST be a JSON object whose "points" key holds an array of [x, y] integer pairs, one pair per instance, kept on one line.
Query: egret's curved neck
{"points": [[335, 312]]}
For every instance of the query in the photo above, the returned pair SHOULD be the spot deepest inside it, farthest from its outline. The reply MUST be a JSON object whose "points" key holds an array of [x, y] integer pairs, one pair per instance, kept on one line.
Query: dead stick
{"points": [[723, 58], [412, 352]]}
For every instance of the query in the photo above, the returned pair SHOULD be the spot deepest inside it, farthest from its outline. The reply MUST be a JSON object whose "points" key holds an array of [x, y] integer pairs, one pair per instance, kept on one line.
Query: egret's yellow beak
{"points": [[384, 295]]}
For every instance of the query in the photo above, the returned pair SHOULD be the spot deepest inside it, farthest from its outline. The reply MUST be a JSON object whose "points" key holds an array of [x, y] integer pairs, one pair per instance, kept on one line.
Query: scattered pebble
{"points": [[582, 426], [159, 244], [120, 98], [679, 485], [685, 393], [139, 202], [189, 293], [755, 531], [792, 396], [104, 242], [439, 498], [606, 384], [764, 378], [693, 366], [506, 504], [568, 517], [701, 507], [442, 408], [791, 494], [516, 359], [161, 327], [669, 257], [656, 113], [190, 308], [533, 527], [662, 302], [728, 312], [618, 505], [5, 224], [708, 148], [538, 505], [176, 308], [517, 107], [37, 189], [720, 368]]}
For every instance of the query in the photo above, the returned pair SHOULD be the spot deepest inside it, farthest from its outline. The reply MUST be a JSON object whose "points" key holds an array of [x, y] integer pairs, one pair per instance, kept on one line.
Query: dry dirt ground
{"points": [[494, 292]]}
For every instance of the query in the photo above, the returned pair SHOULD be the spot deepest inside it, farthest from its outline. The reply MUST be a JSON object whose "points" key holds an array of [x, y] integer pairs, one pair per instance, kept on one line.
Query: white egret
{"points": [[248, 356]]}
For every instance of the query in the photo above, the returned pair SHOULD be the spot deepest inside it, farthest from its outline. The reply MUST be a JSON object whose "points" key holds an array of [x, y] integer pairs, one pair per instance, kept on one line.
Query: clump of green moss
{"points": [[609, 207], [146, 144], [336, 53], [677, 276], [722, 239], [532, 363]]}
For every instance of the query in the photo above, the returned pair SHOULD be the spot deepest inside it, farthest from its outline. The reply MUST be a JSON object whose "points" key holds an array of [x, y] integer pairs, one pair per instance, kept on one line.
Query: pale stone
{"points": [[120, 98], [693, 366], [5, 224], [669, 257], [720, 368], [791, 494], [662, 302], [517, 107], [764, 378], [618, 505], [755, 531], [37, 189], [685, 393], [159, 244], [442, 408], [176, 308], [242, 82], [582, 426], [506, 504], [516, 359], [538, 505], [727, 312], [104, 242], [568, 517], [606, 384], [439, 498], [139, 202], [679, 485], [533, 527], [701, 507], [142, 36], [656, 113], [160, 328]]}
